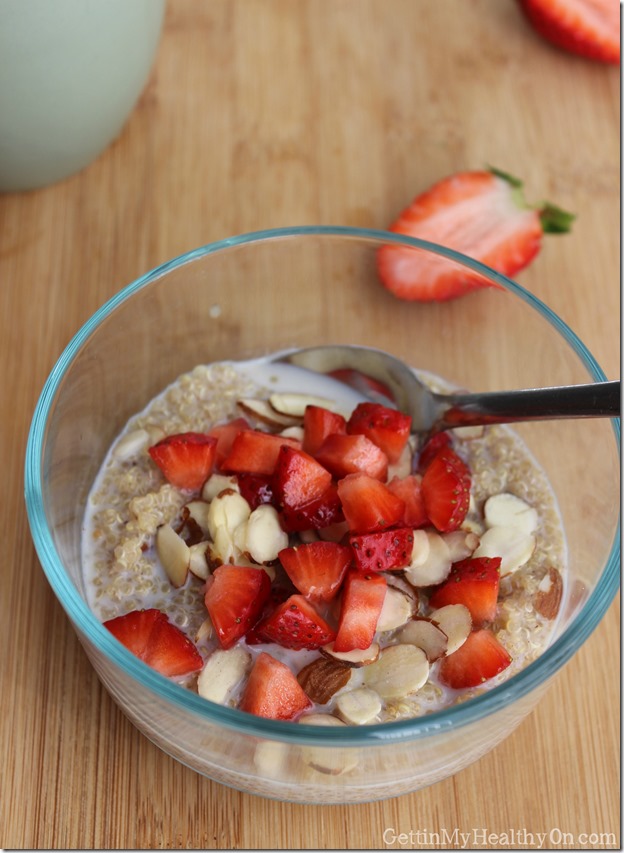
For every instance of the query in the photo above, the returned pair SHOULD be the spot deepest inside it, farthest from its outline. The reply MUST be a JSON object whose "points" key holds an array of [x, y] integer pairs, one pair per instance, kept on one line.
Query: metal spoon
{"points": [[433, 412]]}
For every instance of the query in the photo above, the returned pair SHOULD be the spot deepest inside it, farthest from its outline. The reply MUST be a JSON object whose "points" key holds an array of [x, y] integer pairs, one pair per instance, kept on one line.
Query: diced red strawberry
{"points": [[255, 452], [257, 489], [273, 691], [277, 596], [296, 624], [388, 428], [368, 504], [315, 515], [348, 454], [362, 382], [225, 435], [446, 490], [316, 568], [589, 28], [430, 449], [362, 599], [474, 583], [478, 659], [235, 597], [298, 478], [318, 423], [186, 459], [409, 489], [384, 551], [480, 214], [150, 636]]}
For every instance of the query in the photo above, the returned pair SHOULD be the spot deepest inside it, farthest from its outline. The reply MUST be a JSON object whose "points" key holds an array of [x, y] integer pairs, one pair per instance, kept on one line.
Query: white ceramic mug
{"points": [[71, 72]]}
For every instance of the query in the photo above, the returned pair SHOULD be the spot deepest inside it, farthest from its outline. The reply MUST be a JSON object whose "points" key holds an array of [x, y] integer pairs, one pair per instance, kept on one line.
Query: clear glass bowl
{"points": [[253, 294]]}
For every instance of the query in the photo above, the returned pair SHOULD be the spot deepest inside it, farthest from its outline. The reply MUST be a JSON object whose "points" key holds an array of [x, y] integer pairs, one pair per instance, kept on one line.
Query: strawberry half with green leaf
{"points": [[446, 490], [235, 598], [362, 598], [186, 459], [473, 582], [478, 659], [296, 624], [316, 568], [481, 214], [589, 28], [273, 691]]}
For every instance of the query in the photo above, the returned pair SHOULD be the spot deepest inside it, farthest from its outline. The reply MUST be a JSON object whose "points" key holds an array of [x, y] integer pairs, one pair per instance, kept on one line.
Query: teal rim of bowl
{"points": [[493, 700]]}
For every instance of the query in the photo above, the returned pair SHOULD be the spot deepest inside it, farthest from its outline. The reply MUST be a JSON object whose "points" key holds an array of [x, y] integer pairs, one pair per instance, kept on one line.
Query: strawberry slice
{"points": [[235, 597], [362, 599], [446, 490], [257, 489], [474, 583], [150, 636], [388, 428], [277, 596], [479, 658], [255, 452], [186, 459], [298, 478], [316, 568], [348, 454], [409, 489], [369, 505], [318, 423], [315, 515], [589, 28], [385, 551], [273, 691], [295, 624], [225, 435], [430, 449], [481, 214]]}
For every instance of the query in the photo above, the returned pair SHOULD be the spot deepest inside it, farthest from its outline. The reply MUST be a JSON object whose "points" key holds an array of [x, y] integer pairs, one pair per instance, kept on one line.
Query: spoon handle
{"points": [[601, 399]]}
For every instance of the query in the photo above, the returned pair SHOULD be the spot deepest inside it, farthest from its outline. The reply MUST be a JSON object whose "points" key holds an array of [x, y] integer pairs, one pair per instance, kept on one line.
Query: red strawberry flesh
{"points": [[316, 568], [388, 428], [296, 624], [362, 599], [478, 659], [446, 490], [235, 597], [186, 459], [368, 504], [385, 551], [473, 582], [272, 691]]}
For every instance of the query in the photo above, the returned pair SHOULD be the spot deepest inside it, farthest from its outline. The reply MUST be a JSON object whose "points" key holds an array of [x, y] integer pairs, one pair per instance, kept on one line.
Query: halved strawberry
{"points": [[318, 423], [296, 624], [255, 452], [430, 449], [589, 28], [235, 597], [150, 636], [384, 551], [480, 214], [348, 454], [298, 478], [474, 583], [273, 691], [315, 515], [316, 568], [479, 658], [186, 459], [225, 435], [446, 490], [257, 489], [360, 605], [368, 504], [409, 489], [388, 428]]}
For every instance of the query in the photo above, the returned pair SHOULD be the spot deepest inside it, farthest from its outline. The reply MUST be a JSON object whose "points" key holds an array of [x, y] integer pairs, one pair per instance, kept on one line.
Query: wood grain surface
{"points": [[263, 113]]}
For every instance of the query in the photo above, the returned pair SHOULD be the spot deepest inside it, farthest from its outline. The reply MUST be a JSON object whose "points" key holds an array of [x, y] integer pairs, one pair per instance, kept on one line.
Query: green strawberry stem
{"points": [[554, 219]]}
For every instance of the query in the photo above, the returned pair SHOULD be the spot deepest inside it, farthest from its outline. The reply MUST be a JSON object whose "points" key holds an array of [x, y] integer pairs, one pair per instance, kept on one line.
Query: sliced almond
{"points": [[223, 548], [263, 411], [399, 671], [356, 657], [323, 677], [437, 565], [264, 537], [295, 432], [198, 512], [456, 622], [271, 757], [359, 706], [173, 553], [420, 548], [217, 483], [427, 636], [403, 466], [397, 609], [294, 404], [461, 544], [469, 433], [507, 510], [205, 631], [226, 511], [397, 582], [326, 759], [547, 599], [511, 544], [198, 560], [132, 444], [222, 673]]}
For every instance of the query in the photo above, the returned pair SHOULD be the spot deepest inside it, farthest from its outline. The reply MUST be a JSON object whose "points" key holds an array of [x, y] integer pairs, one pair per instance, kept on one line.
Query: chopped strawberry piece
{"points": [[235, 597], [369, 505], [474, 583], [150, 636], [385, 551], [277, 596], [186, 459], [388, 428], [478, 659], [589, 28], [225, 435], [298, 478], [318, 423], [348, 454], [316, 568], [362, 599], [273, 691], [255, 452], [295, 624], [257, 489], [480, 214], [430, 449], [446, 490], [315, 515], [409, 489]]}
